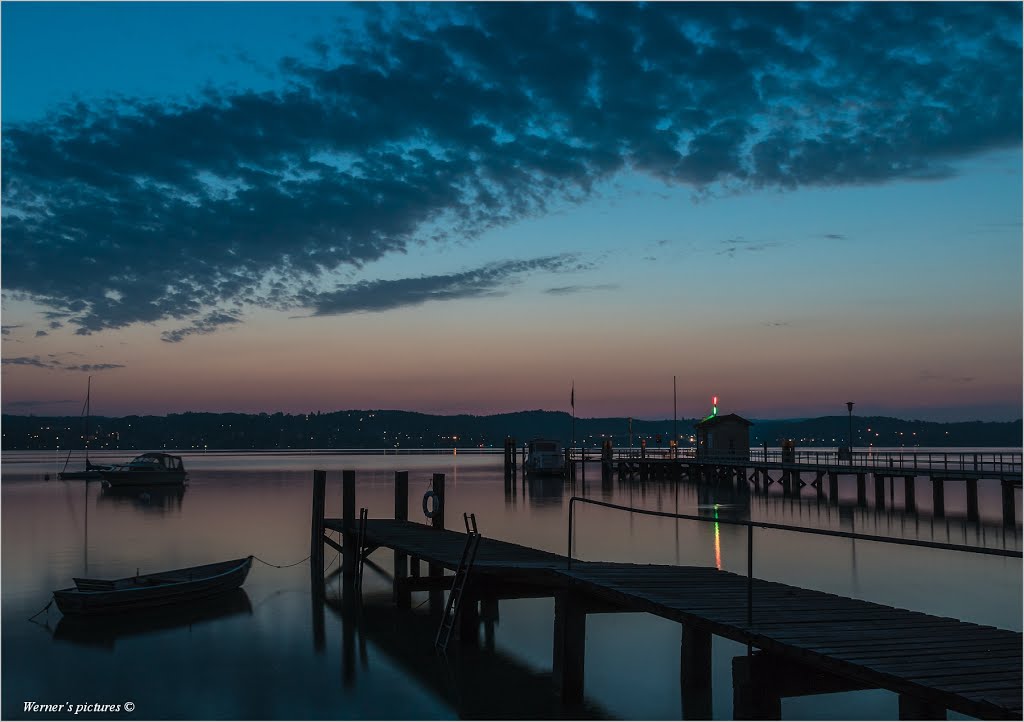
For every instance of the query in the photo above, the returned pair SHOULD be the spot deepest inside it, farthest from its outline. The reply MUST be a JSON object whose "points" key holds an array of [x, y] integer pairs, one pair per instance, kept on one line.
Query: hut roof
{"points": [[717, 420]]}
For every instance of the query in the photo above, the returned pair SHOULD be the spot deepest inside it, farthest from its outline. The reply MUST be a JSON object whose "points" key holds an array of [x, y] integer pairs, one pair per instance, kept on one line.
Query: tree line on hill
{"points": [[375, 429]]}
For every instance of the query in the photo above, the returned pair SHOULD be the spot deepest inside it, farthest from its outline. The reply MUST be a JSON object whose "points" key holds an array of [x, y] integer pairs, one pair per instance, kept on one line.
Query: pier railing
{"points": [[996, 462], [750, 525]]}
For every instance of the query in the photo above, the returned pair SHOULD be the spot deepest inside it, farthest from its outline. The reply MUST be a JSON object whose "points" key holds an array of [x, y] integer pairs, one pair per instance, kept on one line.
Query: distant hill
{"points": [[406, 429]]}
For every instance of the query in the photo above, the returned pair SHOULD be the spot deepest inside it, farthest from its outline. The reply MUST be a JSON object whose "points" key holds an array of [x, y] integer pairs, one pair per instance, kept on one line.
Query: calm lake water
{"points": [[254, 655]]}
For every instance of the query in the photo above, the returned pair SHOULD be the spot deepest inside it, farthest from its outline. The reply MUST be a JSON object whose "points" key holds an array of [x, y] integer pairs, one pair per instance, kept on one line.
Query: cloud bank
{"points": [[443, 121]]}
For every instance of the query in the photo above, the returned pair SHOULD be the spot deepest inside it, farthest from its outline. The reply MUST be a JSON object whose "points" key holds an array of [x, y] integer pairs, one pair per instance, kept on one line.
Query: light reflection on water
{"points": [[256, 656]]}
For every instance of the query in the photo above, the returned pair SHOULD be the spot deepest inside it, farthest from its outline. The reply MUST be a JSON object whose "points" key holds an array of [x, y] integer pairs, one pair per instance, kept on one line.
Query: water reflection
{"points": [[162, 499], [104, 631], [237, 666], [478, 681]]}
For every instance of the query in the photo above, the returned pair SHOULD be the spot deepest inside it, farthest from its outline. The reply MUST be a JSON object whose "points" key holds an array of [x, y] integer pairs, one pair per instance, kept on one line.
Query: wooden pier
{"points": [[793, 470], [808, 641]]}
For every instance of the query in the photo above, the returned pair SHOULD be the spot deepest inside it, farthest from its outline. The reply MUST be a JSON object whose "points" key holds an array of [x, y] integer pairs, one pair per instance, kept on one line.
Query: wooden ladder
{"points": [[454, 606]]}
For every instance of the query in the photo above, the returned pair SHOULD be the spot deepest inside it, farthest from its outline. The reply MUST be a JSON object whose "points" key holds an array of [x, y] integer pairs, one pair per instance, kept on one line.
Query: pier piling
{"points": [[938, 497], [402, 596], [569, 653], [695, 672], [349, 562], [316, 540]]}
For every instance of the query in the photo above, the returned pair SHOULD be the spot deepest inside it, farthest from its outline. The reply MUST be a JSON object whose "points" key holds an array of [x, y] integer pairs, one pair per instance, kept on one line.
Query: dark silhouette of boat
{"points": [[146, 591], [104, 630], [150, 469]]}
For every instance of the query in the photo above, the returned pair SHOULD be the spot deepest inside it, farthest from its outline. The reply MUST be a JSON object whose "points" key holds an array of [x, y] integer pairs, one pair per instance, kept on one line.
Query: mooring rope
{"points": [[280, 566]]}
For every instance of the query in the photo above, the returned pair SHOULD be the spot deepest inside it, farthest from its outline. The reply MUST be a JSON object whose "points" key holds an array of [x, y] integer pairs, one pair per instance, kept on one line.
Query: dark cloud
{"points": [[443, 121], [54, 363], [41, 333], [383, 295], [733, 246], [201, 326], [6, 330], [26, 361], [569, 290], [776, 324], [93, 367], [834, 237], [929, 377]]}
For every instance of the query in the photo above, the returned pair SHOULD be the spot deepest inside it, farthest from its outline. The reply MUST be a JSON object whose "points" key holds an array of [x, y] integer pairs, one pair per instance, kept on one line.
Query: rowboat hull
{"points": [[98, 597]]}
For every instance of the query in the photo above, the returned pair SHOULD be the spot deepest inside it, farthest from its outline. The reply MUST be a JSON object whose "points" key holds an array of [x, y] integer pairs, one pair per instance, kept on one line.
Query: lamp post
{"points": [[849, 442]]}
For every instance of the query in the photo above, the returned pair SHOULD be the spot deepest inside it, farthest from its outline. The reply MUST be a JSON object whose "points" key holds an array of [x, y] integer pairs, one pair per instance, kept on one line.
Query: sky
{"points": [[474, 208]]}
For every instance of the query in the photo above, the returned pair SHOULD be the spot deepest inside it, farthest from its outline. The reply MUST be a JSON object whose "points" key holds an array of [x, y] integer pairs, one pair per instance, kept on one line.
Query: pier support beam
{"points": [[316, 537], [913, 708], [695, 672], [436, 596], [569, 650], [761, 680], [349, 562], [909, 499], [879, 491], [972, 500], [938, 497], [862, 494], [833, 488], [1009, 508], [402, 596]]}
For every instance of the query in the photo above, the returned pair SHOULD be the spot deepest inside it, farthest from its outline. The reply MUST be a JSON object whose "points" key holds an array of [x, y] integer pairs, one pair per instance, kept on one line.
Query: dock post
{"points": [[879, 491], [349, 562], [402, 595], [938, 497], [972, 499], [753, 697], [862, 494], [569, 653], [316, 536], [833, 488], [437, 484], [909, 500], [913, 708], [695, 672], [436, 596], [1009, 510]]}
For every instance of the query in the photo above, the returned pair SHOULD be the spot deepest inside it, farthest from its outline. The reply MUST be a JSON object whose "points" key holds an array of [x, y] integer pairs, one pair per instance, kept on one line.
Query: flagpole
{"points": [[572, 403], [675, 417]]}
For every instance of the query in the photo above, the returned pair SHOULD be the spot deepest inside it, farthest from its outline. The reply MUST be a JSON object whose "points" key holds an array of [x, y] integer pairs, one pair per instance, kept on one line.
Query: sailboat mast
{"points": [[88, 410]]}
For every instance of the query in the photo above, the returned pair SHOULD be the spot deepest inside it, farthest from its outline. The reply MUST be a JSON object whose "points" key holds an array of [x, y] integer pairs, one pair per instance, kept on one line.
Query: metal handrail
{"points": [[779, 527]]}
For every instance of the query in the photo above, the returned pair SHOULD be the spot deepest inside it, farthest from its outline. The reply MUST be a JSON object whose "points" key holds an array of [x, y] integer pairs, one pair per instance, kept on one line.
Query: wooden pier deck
{"points": [[934, 662]]}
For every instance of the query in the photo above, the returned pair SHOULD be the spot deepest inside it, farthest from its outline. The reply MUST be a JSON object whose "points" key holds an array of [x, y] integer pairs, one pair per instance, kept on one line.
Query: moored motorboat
{"points": [[151, 468], [544, 457], [146, 591]]}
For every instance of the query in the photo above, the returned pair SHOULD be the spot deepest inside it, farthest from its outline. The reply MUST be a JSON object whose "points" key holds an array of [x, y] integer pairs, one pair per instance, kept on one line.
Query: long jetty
{"points": [[799, 641], [792, 470]]}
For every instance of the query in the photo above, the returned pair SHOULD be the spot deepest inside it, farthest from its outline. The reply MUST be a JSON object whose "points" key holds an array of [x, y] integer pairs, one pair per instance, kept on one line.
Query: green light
{"points": [[714, 408]]}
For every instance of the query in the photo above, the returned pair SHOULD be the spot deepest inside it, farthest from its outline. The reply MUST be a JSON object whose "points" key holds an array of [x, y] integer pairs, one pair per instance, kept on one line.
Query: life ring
{"points": [[429, 512]]}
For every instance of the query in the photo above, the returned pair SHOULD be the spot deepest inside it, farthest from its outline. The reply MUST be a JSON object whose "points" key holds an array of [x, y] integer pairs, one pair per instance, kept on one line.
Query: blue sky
{"points": [[263, 206]]}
